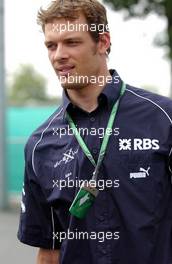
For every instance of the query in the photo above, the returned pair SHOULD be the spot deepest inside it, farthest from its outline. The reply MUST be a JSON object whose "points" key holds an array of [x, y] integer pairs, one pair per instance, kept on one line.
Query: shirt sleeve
{"points": [[37, 219]]}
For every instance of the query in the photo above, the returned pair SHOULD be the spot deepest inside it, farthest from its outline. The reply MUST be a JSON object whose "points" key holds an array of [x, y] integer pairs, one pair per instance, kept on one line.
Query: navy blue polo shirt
{"points": [[130, 221]]}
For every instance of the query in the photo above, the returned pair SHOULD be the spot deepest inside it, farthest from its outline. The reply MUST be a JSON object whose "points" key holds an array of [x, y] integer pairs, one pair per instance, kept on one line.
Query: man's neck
{"points": [[87, 98]]}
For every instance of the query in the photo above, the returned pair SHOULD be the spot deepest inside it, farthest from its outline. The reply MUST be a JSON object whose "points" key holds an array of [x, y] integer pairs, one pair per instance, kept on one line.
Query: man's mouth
{"points": [[64, 70]]}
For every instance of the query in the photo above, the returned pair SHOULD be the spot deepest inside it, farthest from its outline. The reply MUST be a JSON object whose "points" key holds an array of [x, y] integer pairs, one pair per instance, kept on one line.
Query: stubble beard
{"points": [[74, 82]]}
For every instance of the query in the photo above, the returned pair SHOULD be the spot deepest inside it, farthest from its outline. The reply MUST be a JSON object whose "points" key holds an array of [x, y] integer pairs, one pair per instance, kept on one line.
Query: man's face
{"points": [[73, 53]]}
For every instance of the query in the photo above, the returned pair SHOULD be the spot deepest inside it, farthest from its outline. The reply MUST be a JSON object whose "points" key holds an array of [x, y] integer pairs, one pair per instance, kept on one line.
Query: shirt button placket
{"points": [[92, 119], [103, 253], [95, 150]]}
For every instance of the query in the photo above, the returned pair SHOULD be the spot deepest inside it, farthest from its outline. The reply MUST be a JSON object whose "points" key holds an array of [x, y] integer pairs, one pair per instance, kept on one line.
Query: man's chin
{"points": [[72, 86]]}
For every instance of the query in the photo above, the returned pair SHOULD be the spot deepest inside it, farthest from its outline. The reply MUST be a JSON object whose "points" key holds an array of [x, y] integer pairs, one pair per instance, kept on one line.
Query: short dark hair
{"points": [[94, 12]]}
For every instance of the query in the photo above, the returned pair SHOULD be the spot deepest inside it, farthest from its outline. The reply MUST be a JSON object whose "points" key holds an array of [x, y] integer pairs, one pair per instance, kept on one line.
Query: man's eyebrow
{"points": [[73, 38], [47, 42]]}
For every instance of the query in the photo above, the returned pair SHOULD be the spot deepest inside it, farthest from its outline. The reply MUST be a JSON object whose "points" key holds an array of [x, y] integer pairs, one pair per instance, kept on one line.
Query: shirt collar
{"points": [[112, 88], [111, 91]]}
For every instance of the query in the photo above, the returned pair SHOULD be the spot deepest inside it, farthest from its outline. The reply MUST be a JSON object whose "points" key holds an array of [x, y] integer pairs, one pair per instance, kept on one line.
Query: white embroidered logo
{"points": [[124, 144], [141, 174], [67, 175], [68, 156]]}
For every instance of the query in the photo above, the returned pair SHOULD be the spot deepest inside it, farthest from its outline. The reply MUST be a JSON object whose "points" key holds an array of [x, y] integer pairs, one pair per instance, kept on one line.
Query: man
{"points": [[126, 217]]}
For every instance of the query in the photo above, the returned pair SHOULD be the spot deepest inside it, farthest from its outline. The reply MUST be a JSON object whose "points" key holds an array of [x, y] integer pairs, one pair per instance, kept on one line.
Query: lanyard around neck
{"points": [[105, 139]]}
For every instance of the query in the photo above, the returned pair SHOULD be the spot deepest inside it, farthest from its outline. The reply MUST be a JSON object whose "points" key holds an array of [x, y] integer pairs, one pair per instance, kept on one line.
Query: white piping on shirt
{"points": [[52, 217], [169, 158], [152, 103], [170, 153], [33, 152]]}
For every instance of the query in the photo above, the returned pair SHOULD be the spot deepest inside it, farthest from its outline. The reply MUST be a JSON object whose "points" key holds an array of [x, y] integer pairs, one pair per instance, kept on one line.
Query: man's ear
{"points": [[104, 42]]}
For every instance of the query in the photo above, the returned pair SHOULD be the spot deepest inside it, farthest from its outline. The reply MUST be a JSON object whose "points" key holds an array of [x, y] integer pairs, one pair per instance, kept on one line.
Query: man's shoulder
{"points": [[38, 133], [150, 99]]}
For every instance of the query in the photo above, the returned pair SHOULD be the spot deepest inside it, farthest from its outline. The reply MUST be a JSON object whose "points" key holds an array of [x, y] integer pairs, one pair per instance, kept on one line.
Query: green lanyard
{"points": [[105, 139]]}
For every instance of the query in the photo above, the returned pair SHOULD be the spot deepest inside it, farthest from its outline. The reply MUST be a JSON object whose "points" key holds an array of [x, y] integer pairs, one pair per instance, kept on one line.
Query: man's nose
{"points": [[61, 53]]}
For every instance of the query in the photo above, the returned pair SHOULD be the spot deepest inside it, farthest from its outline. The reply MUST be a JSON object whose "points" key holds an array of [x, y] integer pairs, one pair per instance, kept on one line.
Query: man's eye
{"points": [[73, 43], [51, 46]]}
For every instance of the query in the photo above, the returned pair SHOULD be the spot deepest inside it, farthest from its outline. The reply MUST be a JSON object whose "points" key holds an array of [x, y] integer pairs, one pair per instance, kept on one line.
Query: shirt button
{"points": [[101, 218], [95, 150], [92, 119], [104, 251]]}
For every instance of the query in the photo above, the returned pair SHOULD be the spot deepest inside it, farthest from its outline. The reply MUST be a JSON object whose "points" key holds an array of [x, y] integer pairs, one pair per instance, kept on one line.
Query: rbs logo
{"points": [[145, 144], [138, 144]]}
